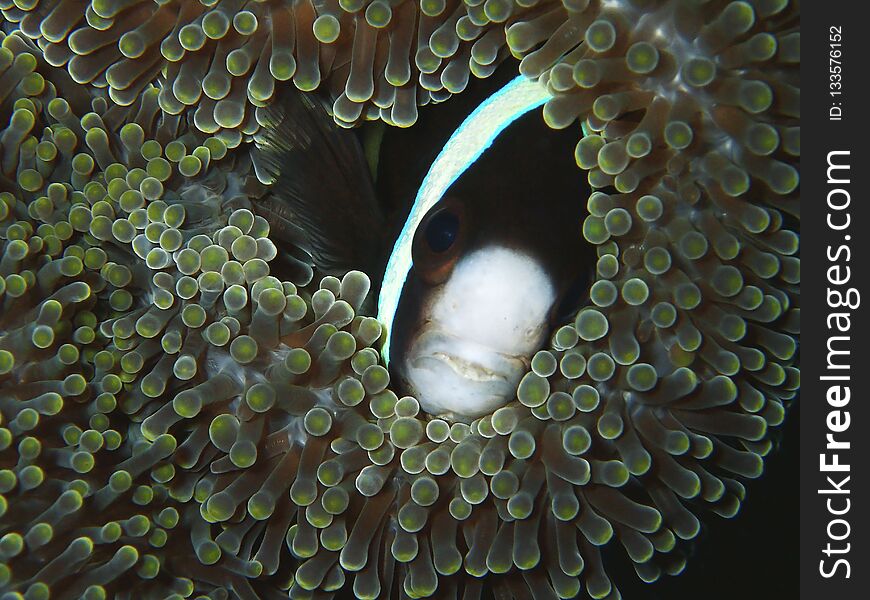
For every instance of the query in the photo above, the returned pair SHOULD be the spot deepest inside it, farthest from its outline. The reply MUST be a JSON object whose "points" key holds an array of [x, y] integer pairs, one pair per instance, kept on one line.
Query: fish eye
{"points": [[442, 230], [440, 239]]}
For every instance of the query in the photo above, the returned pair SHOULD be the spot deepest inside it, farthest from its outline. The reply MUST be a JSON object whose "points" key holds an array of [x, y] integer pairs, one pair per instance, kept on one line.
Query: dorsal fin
{"points": [[321, 194]]}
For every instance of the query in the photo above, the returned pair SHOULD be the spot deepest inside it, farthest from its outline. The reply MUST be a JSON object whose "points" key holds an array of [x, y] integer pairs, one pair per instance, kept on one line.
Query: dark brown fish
{"points": [[496, 261]]}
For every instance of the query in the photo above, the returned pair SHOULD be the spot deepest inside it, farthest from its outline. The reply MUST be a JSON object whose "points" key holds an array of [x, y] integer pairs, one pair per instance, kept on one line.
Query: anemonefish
{"points": [[489, 256]]}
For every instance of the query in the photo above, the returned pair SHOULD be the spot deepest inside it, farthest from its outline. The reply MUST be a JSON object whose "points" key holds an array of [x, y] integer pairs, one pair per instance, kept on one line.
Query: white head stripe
{"points": [[467, 143]]}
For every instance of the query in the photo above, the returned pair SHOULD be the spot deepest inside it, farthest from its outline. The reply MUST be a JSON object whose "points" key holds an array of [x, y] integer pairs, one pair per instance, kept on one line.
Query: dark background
{"points": [[753, 556]]}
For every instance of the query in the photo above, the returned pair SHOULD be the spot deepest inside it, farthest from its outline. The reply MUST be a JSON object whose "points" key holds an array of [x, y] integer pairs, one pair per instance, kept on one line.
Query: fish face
{"points": [[494, 261], [492, 268], [477, 332]]}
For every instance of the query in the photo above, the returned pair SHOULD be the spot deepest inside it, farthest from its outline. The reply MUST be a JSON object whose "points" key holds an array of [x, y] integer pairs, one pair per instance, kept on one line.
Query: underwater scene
{"points": [[397, 299]]}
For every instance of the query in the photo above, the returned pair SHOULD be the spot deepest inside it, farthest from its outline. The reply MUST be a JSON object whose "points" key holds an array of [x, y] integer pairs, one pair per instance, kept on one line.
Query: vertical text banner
{"points": [[835, 341]]}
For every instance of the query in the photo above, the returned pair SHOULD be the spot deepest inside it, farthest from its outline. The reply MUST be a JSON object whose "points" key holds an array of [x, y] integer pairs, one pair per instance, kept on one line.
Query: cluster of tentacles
{"points": [[176, 421]]}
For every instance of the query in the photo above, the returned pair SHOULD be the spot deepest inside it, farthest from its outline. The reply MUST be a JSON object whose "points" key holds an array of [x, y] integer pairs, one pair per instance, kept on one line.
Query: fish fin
{"points": [[373, 137], [321, 191]]}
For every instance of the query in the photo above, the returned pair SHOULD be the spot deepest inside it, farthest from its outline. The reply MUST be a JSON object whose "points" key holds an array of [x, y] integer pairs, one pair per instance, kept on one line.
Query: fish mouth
{"points": [[458, 378], [473, 371]]}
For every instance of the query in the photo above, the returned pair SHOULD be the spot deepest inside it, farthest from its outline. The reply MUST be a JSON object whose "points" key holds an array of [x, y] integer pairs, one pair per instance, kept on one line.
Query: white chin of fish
{"points": [[481, 329], [460, 379]]}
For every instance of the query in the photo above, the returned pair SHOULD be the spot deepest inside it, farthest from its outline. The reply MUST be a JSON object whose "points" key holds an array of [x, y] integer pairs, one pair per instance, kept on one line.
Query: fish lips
{"points": [[458, 378]]}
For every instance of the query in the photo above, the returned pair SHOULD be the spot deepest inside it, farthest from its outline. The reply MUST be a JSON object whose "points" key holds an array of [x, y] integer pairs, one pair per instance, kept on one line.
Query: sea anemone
{"points": [[176, 420], [379, 59]]}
